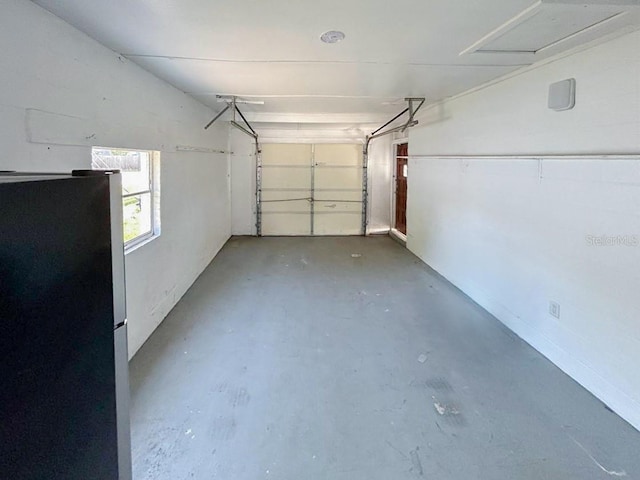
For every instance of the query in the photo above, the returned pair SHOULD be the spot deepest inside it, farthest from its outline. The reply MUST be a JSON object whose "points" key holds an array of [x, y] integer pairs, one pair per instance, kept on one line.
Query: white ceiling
{"points": [[271, 51]]}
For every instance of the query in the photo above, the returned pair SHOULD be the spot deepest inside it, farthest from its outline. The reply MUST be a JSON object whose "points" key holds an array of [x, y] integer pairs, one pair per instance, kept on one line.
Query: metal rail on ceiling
{"points": [[411, 121], [247, 130], [231, 104]]}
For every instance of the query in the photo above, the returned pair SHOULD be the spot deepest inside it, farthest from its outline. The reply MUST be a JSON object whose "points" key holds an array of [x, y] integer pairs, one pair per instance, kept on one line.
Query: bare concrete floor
{"points": [[290, 359]]}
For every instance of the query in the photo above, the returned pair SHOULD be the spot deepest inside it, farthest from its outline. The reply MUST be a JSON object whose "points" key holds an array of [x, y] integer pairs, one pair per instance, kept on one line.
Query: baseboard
{"points": [[398, 236]]}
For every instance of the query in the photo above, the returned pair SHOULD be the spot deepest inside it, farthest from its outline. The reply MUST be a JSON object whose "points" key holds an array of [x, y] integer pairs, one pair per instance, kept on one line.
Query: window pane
{"points": [[135, 172], [133, 165], [137, 216], [138, 188]]}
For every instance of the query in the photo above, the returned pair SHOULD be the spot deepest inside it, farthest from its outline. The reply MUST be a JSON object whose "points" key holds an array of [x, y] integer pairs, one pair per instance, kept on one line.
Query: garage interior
{"points": [[367, 239]]}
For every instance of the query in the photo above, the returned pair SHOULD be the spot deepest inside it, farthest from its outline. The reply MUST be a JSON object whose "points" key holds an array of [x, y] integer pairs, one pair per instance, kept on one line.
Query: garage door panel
{"points": [[293, 206], [338, 155], [285, 194], [292, 175], [286, 224], [286, 177], [332, 177], [333, 207], [334, 195], [286, 154], [337, 223]]}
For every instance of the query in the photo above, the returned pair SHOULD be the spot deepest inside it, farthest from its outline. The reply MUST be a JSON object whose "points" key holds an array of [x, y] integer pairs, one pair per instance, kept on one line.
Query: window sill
{"points": [[136, 245]]}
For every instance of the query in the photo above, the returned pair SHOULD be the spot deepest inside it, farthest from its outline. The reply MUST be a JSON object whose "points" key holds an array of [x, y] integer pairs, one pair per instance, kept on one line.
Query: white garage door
{"points": [[311, 189]]}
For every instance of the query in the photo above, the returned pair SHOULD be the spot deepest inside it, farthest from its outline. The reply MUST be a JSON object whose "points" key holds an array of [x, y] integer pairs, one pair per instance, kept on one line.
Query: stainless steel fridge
{"points": [[64, 387]]}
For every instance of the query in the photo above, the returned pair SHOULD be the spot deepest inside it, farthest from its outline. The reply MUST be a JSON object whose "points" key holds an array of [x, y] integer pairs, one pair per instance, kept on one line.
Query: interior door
{"points": [[402, 152]]}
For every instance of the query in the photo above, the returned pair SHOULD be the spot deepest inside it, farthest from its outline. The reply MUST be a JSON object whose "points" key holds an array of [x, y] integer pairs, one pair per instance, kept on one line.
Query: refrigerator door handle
{"points": [[117, 249]]}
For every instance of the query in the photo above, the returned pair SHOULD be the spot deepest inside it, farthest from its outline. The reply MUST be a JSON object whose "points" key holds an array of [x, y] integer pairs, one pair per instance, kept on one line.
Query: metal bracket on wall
{"points": [[411, 122]]}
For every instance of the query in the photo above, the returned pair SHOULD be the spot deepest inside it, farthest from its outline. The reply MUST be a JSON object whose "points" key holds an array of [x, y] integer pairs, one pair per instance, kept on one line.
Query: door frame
{"points": [[393, 229]]}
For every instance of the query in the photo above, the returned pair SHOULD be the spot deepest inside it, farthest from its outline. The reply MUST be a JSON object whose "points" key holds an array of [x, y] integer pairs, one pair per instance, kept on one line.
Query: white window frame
{"points": [[154, 193]]}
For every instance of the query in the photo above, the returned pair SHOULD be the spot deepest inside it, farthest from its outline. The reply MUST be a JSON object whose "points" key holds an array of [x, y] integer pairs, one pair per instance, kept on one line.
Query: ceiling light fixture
{"points": [[332, 36]]}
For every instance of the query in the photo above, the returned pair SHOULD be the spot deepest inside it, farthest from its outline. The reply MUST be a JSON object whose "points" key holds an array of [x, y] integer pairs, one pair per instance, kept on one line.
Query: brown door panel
{"points": [[401, 188]]}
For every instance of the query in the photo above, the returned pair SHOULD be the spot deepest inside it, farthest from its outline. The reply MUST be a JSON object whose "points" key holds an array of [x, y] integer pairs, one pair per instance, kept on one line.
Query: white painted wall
{"points": [[95, 97], [381, 165], [511, 233]]}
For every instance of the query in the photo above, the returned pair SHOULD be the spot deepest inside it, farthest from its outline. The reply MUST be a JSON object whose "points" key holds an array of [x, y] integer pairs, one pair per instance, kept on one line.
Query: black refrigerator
{"points": [[64, 387]]}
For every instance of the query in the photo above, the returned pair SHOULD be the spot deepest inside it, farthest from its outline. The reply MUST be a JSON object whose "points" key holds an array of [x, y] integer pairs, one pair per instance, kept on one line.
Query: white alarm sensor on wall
{"points": [[562, 95]]}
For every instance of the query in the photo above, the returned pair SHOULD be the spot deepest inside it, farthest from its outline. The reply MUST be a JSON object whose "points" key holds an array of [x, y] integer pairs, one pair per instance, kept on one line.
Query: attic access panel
{"points": [[548, 23]]}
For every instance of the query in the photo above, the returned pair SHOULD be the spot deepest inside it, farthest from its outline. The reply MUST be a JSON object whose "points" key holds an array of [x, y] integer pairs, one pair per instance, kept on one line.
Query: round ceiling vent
{"points": [[332, 36]]}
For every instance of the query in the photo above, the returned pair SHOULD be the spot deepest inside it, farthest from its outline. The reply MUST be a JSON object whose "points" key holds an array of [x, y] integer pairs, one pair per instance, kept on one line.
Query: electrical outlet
{"points": [[554, 309]]}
